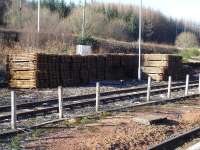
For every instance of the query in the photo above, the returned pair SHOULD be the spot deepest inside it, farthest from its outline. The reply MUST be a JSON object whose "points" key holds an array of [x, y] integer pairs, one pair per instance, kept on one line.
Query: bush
{"points": [[187, 40], [87, 41]]}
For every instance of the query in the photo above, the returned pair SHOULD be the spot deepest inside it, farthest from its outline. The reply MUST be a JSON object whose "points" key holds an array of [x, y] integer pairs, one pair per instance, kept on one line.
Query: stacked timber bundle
{"points": [[175, 68], [160, 66], [129, 64], [53, 70], [92, 66], [65, 70], [116, 68], [49, 71], [26, 69], [75, 69], [101, 67], [108, 67], [84, 73]]}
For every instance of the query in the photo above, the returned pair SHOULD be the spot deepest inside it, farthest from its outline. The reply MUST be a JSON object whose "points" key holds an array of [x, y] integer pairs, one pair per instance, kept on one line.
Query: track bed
{"points": [[118, 130]]}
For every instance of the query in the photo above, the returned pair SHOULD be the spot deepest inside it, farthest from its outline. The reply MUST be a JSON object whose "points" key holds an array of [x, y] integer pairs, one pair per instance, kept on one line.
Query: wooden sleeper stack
{"points": [[160, 66]]}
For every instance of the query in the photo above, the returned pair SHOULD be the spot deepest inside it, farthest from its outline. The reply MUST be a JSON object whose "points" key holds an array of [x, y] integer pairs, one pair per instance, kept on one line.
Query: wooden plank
{"points": [[159, 70], [155, 63], [157, 77], [23, 84], [160, 57], [23, 66], [23, 57], [23, 75]]}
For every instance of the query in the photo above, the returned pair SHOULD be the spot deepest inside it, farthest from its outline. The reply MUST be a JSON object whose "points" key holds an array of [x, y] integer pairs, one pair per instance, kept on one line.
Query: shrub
{"points": [[187, 40], [86, 41]]}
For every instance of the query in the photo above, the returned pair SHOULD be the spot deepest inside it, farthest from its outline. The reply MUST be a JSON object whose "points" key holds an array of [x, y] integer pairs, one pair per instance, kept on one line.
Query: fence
{"points": [[98, 99]]}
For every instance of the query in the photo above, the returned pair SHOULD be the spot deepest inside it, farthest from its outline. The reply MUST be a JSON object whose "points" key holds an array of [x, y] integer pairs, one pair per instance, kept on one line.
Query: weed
{"points": [[105, 114], [36, 133], [85, 120], [77, 121], [15, 143], [67, 123]]}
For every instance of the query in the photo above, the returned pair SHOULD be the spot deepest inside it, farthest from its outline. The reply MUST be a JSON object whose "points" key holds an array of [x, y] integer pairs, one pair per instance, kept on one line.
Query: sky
{"points": [[181, 9]]}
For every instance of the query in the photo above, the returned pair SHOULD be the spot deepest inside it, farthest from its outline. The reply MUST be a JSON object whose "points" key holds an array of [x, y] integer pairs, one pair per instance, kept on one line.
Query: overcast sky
{"points": [[181, 9]]}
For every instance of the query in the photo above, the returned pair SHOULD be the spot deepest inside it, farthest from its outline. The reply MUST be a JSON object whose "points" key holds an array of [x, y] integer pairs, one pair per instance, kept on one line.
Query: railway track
{"points": [[28, 110], [88, 96], [179, 140], [168, 144], [10, 133]]}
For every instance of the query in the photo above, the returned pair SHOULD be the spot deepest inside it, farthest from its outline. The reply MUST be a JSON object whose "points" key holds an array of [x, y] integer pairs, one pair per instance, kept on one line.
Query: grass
{"points": [[15, 143], [192, 117], [104, 115], [36, 133], [189, 53], [78, 121], [86, 119]]}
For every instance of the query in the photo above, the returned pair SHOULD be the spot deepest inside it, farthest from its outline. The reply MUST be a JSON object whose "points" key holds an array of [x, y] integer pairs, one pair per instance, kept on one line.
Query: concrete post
{"points": [[169, 87], [97, 96], [187, 84], [149, 89], [60, 102], [13, 110]]}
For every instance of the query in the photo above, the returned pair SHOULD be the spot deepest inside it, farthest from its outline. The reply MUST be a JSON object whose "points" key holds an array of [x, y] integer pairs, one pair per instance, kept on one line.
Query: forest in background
{"points": [[104, 20]]}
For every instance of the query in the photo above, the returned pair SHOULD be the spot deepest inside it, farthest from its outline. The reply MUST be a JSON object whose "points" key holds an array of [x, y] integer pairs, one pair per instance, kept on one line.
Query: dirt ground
{"points": [[120, 132]]}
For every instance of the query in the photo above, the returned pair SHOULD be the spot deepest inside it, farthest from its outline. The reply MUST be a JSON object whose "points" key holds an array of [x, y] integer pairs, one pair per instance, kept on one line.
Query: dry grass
{"points": [[191, 117]]}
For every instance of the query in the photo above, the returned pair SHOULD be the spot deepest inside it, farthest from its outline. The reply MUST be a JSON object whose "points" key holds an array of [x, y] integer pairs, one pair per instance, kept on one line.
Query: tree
{"points": [[187, 40], [4, 5]]}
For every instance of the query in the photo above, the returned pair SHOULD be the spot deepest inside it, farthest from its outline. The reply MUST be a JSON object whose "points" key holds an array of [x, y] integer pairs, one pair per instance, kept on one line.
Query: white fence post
{"points": [[13, 110], [169, 87], [97, 96], [149, 89], [60, 102], [187, 84], [199, 83]]}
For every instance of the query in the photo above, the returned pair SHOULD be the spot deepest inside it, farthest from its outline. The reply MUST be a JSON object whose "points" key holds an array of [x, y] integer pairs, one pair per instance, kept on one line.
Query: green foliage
{"points": [[85, 120], [105, 114], [65, 49], [3, 8], [59, 6], [189, 53], [111, 13], [15, 143], [131, 20], [87, 40], [36, 133]]}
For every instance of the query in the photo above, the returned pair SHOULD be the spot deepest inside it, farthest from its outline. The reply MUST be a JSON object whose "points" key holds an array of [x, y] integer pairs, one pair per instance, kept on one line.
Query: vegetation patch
{"points": [[189, 53], [15, 143]]}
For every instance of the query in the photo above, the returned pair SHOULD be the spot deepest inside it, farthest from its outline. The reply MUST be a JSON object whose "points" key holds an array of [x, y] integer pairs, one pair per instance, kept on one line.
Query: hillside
{"points": [[108, 21]]}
